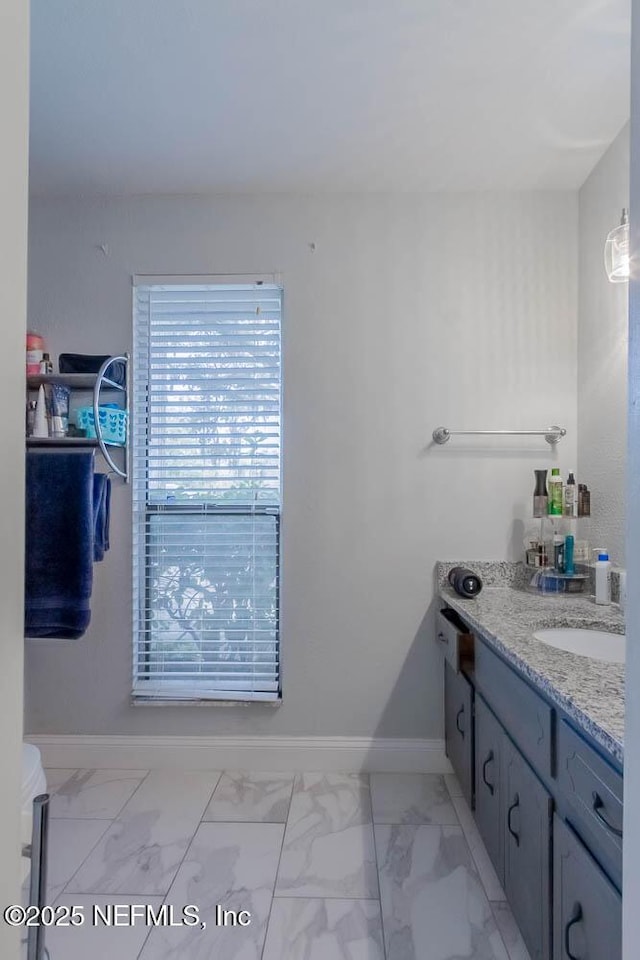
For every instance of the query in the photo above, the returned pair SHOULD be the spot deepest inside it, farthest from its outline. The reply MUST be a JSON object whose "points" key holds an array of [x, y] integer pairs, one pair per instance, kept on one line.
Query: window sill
{"points": [[150, 702]]}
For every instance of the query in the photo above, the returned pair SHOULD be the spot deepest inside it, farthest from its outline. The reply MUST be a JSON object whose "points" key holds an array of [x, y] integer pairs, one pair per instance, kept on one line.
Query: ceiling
{"points": [[201, 96]]}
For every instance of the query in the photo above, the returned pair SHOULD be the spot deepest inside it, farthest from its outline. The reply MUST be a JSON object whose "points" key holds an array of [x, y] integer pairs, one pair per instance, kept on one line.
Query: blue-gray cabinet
{"points": [[458, 708], [527, 860], [513, 814], [547, 803], [489, 783], [593, 792], [587, 909]]}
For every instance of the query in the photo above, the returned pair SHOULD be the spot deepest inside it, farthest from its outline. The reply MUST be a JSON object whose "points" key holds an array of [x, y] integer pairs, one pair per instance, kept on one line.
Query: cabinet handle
{"points": [[576, 918], [598, 804], [458, 727], [516, 803], [484, 773]]}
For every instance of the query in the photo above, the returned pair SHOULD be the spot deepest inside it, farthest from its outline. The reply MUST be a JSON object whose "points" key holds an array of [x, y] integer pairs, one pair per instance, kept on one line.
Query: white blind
{"points": [[206, 490]]}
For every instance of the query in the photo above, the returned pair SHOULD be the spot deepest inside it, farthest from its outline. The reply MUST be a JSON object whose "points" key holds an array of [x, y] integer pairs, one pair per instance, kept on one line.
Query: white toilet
{"points": [[33, 784]]}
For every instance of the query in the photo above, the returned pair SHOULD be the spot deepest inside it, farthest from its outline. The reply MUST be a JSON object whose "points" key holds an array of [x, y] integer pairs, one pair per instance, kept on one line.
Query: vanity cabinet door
{"points": [[527, 839], [587, 909], [489, 738], [458, 724]]}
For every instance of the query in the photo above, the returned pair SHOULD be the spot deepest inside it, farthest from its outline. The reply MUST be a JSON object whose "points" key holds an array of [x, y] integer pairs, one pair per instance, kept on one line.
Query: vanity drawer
{"points": [[453, 637], [593, 792], [524, 714]]}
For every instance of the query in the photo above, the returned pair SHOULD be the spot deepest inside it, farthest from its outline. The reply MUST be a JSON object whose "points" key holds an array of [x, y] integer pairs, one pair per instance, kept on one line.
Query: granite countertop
{"points": [[506, 616]]}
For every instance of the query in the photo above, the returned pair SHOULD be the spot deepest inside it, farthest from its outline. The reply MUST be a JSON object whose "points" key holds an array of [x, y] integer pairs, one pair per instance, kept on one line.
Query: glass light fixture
{"points": [[616, 251]]}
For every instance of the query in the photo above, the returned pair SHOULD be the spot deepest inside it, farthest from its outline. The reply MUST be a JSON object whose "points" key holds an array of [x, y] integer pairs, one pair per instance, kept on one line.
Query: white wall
{"points": [[412, 312], [14, 110], [602, 352]]}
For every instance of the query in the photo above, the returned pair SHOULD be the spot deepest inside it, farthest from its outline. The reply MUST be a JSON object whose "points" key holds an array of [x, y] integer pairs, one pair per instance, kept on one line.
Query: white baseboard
{"points": [[340, 754]]}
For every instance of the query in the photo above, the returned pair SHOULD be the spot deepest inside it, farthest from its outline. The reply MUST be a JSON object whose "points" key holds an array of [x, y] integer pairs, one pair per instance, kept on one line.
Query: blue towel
{"points": [[101, 514], [59, 543]]}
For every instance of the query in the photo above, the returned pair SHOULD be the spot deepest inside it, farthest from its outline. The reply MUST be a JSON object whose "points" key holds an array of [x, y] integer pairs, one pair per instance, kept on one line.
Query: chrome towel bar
{"points": [[551, 434]]}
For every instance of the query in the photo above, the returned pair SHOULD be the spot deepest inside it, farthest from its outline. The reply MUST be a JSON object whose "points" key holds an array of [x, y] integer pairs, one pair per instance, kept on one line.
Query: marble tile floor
{"points": [[329, 866]]}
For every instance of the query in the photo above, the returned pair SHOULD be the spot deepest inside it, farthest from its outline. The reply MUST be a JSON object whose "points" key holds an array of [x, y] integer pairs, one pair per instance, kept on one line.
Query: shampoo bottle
{"points": [[555, 493], [603, 579]]}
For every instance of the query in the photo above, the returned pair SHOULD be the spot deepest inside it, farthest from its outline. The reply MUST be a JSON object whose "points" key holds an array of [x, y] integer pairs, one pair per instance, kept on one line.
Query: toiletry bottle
{"points": [[35, 349], [40, 426], [581, 551], [570, 497], [569, 565], [584, 500], [555, 493], [558, 552], [46, 366], [31, 417], [603, 579], [622, 590], [540, 495]]}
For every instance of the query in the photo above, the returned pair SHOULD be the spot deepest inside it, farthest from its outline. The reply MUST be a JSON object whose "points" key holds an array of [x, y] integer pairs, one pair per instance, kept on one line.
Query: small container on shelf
{"points": [[58, 398], [31, 416], [41, 423], [581, 551], [536, 555], [35, 351], [46, 366], [113, 423]]}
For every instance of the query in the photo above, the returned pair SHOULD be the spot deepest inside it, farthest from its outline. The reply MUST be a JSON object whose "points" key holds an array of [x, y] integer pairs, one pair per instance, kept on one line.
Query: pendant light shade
{"points": [[616, 251]]}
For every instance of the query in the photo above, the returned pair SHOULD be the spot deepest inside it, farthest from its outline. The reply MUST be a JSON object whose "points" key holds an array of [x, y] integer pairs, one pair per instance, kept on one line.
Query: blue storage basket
{"points": [[113, 423]]}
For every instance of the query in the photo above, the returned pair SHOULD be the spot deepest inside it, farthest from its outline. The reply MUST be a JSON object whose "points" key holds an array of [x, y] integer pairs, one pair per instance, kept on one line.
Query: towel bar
{"points": [[552, 434]]}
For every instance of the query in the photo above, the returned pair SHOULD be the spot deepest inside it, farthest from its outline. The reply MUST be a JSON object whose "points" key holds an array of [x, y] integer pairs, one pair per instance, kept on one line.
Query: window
{"points": [[206, 490]]}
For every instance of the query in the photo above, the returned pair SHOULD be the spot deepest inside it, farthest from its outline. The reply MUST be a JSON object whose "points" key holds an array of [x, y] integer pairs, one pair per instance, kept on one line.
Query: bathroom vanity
{"points": [[534, 735]]}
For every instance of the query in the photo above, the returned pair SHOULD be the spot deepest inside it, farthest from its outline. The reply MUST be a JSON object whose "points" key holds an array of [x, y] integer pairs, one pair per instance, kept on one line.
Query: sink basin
{"points": [[588, 643]]}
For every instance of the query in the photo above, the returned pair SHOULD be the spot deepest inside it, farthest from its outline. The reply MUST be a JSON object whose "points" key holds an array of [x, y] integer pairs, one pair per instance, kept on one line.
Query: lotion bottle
{"points": [[40, 426], [603, 579]]}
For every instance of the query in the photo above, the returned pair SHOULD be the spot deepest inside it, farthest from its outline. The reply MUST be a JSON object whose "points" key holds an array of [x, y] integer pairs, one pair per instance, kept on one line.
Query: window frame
{"points": [[151, 691]]}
